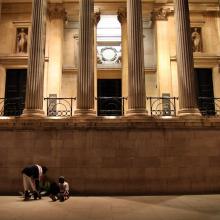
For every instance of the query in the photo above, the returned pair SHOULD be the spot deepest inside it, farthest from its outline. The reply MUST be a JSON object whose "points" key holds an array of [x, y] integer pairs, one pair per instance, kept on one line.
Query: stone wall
{"points": [[119, 156]]}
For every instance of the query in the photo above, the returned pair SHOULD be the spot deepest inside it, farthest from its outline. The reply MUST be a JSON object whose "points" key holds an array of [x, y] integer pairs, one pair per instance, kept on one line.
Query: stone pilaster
{"points": [[57, 15], [85, 78], [122, 18], [136, 77], [161, 26], [186, 75], [35, 75]]}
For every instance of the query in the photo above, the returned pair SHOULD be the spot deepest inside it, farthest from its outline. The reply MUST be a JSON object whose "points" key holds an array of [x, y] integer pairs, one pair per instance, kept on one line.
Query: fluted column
{"points": [[85, 78], [136, 77], [186, 75], [97, 17], [0, 9], [122, 18], [35, 75]]}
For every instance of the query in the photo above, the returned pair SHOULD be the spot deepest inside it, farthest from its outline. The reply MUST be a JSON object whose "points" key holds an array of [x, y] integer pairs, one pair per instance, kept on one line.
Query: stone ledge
{"points": [[17, 123]]}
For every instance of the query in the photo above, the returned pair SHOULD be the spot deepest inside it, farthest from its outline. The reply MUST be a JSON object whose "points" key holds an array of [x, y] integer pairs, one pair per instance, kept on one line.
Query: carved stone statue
{"points": [[22, 41], [196, 39]]}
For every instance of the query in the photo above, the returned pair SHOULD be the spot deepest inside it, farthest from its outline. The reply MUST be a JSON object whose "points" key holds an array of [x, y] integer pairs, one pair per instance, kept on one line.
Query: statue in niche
{"points": [[196, 39], [22, 37]]}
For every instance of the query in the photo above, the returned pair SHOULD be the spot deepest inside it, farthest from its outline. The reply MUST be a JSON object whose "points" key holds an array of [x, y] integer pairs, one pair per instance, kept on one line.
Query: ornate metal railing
{"points": [[163, 106], [62, 107], [11, 106], [209, 106], [110, 106]]}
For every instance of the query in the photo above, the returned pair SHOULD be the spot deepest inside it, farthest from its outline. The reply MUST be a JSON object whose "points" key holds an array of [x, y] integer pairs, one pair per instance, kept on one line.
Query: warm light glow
{"points": [[109, 29]]}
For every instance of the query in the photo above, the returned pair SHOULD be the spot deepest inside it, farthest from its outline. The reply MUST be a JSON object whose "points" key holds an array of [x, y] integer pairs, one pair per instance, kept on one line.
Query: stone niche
{"points": [[21, 40], [196, 36]]}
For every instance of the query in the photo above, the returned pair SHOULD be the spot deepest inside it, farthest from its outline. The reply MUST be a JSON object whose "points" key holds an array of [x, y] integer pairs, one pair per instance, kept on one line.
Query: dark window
{"points": [[109, 97], [205, 91], [15, 90]]}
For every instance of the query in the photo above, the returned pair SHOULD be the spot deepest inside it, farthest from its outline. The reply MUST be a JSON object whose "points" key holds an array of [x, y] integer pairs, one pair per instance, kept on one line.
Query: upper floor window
{"points": [[109, 40]]}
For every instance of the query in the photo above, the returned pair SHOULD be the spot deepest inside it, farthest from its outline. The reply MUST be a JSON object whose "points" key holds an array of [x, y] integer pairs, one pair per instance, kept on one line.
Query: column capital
{"points": [[160, 14], [122, 15], [97, 17], [57, 11]]}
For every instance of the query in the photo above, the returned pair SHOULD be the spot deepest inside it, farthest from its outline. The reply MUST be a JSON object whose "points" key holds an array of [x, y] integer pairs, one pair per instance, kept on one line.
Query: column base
{"points": [[189, 113], [85, 113], [33, 113], [137, 113]]}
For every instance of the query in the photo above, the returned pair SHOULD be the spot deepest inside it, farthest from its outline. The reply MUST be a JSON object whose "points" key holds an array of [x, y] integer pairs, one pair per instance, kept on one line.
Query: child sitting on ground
{"points": [[59, 191]]}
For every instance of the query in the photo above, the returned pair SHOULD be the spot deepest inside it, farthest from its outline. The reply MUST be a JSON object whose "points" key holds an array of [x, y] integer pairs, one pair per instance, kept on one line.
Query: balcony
{"points": [[159, 107]]}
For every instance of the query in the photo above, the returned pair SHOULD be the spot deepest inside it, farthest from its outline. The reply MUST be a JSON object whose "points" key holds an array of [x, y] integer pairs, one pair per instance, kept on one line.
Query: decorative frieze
{"points": [[97, 17], [57, 11], [160, 14], [122, 15]]}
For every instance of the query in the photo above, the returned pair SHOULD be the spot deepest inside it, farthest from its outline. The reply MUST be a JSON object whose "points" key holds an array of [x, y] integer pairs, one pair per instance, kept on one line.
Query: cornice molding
{"points": [[15, 60]]}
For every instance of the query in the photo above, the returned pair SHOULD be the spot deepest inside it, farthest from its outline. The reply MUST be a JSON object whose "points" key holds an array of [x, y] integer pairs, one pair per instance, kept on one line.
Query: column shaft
{"points": [[136, 77], [35, 75], [122, 17], [186, 75], [85, 79]]}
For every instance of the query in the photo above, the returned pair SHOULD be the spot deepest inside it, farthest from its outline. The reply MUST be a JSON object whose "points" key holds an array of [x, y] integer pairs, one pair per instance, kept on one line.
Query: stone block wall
{"points": [[122, 156]]}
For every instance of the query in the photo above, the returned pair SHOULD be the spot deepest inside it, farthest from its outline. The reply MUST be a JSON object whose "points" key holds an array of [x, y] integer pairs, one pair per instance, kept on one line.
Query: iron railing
{"points": [[209, 106], [163, 106], [111, 106], [62, 107], [11, 106]]}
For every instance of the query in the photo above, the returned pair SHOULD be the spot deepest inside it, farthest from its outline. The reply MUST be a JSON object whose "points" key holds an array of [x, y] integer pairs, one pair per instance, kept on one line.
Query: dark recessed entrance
{"points": [[205, 91], [110, 102], [15, 90]]}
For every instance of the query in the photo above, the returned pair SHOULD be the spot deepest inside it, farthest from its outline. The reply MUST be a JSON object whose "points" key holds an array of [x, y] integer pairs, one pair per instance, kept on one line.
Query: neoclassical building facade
{"points": [[119, 96], [137, 65]]}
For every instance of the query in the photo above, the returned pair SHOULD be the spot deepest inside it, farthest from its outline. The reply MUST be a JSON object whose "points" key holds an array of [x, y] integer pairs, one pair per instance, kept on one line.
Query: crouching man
{"points": [[59, 191], [31, 177]]}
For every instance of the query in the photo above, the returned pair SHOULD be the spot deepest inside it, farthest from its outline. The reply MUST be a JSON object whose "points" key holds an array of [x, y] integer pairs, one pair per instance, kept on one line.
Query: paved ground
{"points": [[205, 207]]}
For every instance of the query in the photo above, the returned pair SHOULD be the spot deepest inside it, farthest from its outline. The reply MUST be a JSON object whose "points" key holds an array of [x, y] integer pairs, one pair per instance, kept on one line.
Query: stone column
{"points": [[136, 77], [122, 18], [57, 16], [164, 79], [35, 75], [85, 78], [186, 75], [0, 9], [2, 87], [97, 19]]}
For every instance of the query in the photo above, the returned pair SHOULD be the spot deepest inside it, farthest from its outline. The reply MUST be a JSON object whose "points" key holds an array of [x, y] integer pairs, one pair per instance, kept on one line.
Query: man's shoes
{"points": [[27, 195], [53, 197], [36, 195]]}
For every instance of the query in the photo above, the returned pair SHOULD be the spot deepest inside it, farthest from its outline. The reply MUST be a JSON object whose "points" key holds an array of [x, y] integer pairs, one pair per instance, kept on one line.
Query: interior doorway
{"points": [[110, 102], [205, 91], [15, 90]]}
